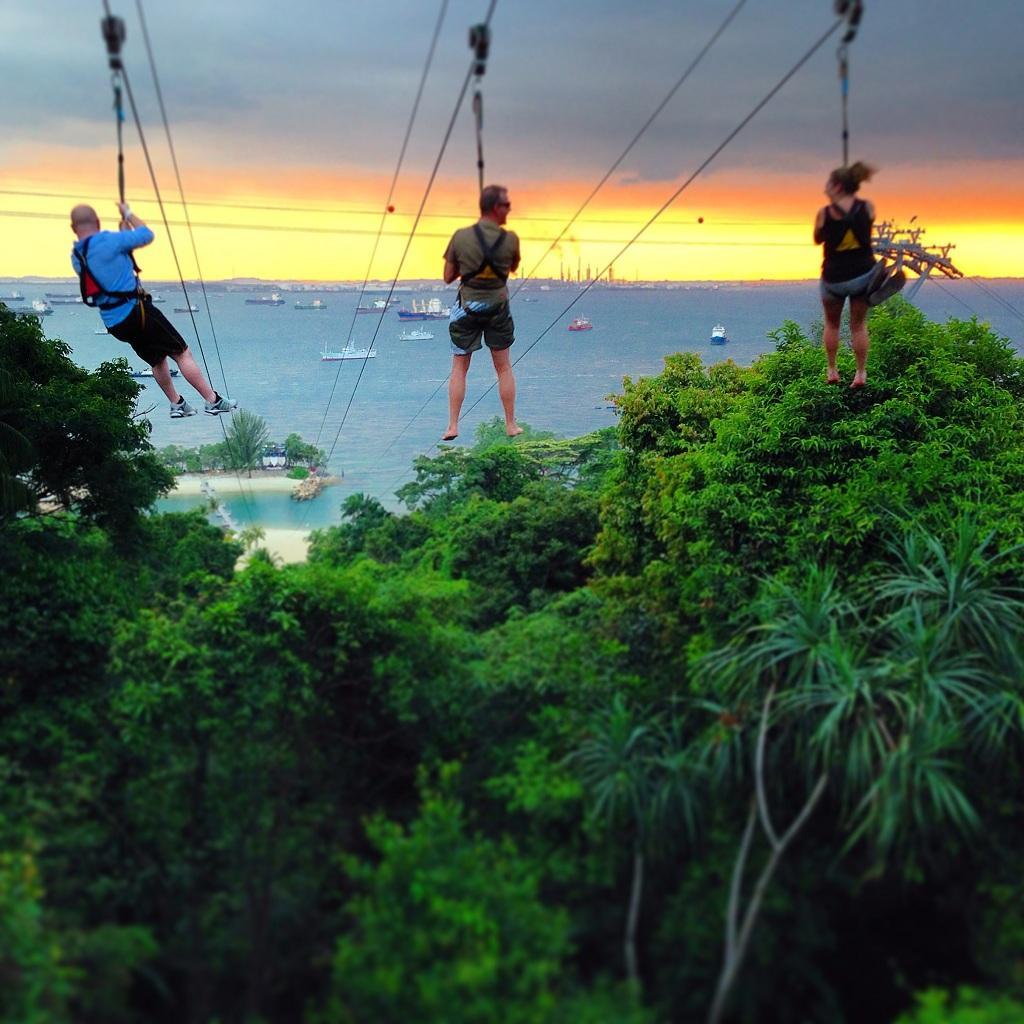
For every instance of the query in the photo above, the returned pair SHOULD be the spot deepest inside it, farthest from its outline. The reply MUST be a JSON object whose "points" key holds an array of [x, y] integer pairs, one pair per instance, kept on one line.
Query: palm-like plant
{"points": [[886, 708], [246, 438], [640, 777]]}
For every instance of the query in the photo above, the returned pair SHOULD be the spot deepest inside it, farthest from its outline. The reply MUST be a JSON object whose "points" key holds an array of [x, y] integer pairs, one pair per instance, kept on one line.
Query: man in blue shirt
{"points": [[104, 263]]}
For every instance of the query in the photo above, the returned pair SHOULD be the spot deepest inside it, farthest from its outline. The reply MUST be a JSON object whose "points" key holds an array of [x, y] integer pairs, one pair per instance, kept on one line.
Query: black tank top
{"points": [[847, 243]]}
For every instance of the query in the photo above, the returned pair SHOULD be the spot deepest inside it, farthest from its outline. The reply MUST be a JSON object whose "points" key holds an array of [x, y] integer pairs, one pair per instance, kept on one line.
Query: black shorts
{"points": [[151, 335]]}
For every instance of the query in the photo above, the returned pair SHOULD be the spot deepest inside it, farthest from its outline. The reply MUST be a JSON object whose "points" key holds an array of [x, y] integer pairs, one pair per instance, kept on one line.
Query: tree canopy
{"points": [[713, 715]]}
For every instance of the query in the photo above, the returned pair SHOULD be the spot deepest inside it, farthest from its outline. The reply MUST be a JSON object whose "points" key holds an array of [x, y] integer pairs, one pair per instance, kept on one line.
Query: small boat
{"points": [[315, 304], [41, 307], [63, 298], [348, 352], [101, 330], [190, 308], [581, 323], [718, 336], [415, 336], [148, 373], [157, 299], [430, 310], [379, 305], [266, 300], [12, 297]]}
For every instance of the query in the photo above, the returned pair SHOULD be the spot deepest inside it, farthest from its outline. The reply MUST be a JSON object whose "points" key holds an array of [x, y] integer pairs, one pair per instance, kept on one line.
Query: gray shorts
{"points": [[480, 320], [855, 288]]}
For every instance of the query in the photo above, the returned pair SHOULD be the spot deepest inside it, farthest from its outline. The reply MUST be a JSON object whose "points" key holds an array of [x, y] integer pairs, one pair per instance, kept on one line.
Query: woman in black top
{"points": [[843, 228]]}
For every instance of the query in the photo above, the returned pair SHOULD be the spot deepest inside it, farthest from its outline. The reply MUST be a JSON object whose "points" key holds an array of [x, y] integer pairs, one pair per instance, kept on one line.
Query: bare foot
{"points": [[833, 377], [449, 435], [513, 429], [860, 380]]}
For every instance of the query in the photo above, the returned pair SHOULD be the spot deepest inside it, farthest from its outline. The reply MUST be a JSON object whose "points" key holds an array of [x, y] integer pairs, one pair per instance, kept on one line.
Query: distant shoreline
{"points": [[266, 481]]}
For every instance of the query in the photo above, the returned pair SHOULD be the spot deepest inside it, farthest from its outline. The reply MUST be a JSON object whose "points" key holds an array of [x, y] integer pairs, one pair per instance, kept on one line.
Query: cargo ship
{"points": [[430, 310]]}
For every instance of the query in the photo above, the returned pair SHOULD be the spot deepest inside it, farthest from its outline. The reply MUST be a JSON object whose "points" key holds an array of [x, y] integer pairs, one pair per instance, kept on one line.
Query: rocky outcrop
{"points": [[306, 490]]}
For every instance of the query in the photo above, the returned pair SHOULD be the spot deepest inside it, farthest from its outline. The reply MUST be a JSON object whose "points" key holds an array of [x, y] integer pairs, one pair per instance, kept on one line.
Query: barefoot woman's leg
{"points": [[833, 309], [859, 339]]}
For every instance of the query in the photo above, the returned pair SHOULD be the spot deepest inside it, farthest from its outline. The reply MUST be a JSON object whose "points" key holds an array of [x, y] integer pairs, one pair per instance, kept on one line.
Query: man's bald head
{"points": [[84, 218]]}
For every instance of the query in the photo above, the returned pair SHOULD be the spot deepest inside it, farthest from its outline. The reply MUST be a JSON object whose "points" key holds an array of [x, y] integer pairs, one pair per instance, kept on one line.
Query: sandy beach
{"points": [[287, 546], [189, 485]]}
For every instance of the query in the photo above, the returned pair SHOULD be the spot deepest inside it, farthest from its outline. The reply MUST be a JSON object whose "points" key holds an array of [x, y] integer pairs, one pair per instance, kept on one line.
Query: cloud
{"points": [[325, 85]]}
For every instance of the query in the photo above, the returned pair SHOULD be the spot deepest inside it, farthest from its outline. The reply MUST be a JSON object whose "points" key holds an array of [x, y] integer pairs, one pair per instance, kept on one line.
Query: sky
{"points": [[288, 120]]}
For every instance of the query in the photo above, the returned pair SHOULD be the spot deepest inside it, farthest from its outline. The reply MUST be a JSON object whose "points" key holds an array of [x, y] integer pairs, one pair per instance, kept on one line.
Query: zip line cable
{"points": [[715, 36], [170, 238], [412, 233], [387, 206], [480, 44], [850, 11], [667, 203], [373, 213], [956, 298], [283, 228], [181, 192], [192, 240], [1005, 303]]}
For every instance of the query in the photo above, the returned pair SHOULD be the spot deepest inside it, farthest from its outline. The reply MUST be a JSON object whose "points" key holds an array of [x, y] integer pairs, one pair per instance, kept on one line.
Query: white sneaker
{"points": [[220, 404], [179, 410]]}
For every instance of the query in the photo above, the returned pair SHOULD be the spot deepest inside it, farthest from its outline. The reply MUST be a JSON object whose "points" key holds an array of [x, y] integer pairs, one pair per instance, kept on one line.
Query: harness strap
{"points": [[488, 251], [93, 293]]}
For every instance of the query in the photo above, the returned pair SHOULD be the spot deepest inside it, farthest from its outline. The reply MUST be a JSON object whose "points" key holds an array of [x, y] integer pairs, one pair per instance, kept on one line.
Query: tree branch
{"points": [[736, 885], [730, 968], [762, 799]]}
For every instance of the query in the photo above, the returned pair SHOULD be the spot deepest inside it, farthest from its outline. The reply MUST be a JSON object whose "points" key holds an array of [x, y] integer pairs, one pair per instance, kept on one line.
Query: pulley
{"points": [[851, 12], [480, 44], [113, 35]]}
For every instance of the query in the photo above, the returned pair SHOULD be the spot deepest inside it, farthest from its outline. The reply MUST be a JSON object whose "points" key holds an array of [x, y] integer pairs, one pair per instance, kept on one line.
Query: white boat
{"points": [[12, 297], [379, 305], [315, 304], [41, 308], [190, 308], [415, 336], [348, 352], [148, 373], [157, 299], [718, 336], [101, 330]]}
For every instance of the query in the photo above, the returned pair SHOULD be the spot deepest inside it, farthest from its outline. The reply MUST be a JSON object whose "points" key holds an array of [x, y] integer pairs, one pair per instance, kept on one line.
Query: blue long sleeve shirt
{"points": [[110, 261]]}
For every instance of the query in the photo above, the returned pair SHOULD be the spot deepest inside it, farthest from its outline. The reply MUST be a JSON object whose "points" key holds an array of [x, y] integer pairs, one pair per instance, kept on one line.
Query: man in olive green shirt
{"points": [[482, 256]]}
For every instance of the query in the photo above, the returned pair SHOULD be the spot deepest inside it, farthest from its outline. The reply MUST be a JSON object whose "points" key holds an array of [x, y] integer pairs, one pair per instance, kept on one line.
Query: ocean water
{"points": [[271, 363]]}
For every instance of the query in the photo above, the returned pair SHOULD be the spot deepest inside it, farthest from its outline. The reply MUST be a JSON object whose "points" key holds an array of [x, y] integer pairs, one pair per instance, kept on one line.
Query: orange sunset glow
{"points": [[315, 227], [286, 179]]}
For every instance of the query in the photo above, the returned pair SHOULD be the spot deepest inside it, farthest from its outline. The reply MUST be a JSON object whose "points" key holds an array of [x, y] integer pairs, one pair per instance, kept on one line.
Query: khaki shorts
{"points": [[480, 320]]}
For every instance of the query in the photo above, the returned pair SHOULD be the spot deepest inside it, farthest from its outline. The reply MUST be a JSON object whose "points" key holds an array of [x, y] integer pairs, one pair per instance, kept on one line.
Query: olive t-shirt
{"points": [[464, 250]]}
